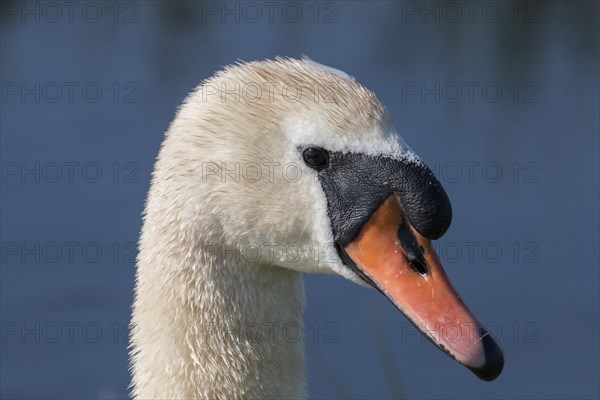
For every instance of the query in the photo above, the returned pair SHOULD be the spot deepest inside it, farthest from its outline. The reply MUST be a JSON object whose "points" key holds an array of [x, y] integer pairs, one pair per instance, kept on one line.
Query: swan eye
{"points": [[316, 157]]}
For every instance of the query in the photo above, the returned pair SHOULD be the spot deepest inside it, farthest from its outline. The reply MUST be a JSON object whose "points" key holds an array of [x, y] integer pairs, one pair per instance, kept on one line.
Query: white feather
{"points": [[195, 282]]}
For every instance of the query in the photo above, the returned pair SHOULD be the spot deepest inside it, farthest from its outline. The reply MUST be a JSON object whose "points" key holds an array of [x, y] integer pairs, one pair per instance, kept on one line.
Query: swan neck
{"points": [[210, 324]]}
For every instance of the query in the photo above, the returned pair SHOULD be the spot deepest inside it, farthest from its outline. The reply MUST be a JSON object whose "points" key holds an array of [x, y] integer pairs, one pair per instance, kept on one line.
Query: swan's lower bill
{"points": [[391, 255]]}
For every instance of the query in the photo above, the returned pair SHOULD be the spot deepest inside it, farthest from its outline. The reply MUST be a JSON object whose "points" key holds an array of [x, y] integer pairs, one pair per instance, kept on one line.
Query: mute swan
{"points": [[272, 169]]}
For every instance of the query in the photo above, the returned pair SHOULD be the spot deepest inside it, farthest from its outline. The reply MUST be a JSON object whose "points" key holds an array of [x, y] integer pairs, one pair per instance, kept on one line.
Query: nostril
{"points": [[412, 249], [419, 267]]}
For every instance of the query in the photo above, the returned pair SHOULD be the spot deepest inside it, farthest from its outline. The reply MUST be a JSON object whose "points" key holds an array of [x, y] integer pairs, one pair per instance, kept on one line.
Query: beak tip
{"points": [[494, 360]]}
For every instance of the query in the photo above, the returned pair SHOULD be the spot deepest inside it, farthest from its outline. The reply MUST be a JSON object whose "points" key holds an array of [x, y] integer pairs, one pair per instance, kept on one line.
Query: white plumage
{"points": [[190, 293]]}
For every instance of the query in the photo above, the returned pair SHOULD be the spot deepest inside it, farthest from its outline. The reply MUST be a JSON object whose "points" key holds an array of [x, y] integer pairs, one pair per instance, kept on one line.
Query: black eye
{"points": [[316, 157]]}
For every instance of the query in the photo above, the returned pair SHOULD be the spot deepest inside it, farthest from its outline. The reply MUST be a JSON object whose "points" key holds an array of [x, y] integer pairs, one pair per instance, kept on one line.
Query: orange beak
{"points": [[402, 264]]}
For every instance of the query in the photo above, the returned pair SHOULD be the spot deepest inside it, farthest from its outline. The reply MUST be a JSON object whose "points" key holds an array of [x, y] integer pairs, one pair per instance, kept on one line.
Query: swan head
{"points": [[291, 164]]}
